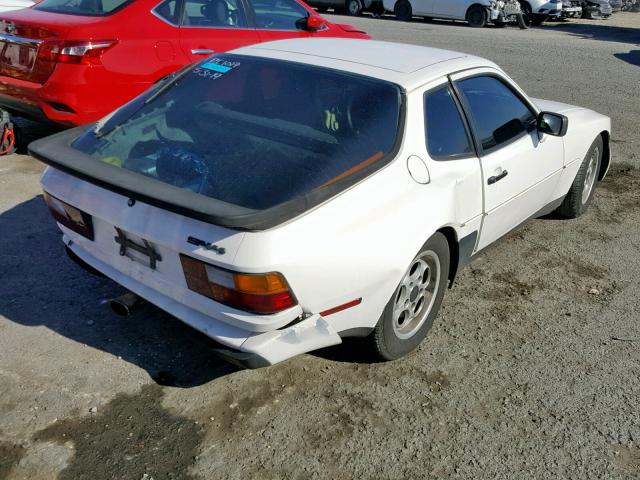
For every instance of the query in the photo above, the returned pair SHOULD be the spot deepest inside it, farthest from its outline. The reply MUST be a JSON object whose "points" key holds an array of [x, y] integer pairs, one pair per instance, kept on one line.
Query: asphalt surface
{"points": [[532, 370]]}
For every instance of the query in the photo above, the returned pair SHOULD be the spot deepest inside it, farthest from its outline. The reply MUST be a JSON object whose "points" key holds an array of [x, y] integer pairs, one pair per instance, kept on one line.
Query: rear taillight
{"points": [[70, 217], [258, 293], [82, 52]]}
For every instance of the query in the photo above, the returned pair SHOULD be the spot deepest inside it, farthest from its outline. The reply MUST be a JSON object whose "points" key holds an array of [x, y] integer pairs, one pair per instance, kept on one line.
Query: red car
{"points": [[73, 61]]}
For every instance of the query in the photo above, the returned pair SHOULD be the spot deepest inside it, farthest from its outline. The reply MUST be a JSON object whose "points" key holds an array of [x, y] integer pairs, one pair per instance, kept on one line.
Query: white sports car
{"points": [[283, 196]]}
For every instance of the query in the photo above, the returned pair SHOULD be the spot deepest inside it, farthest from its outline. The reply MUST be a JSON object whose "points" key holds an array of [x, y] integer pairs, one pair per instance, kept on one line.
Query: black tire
{"points": [[354, 7], [377, 9], [403, 11], [477, 16], [576, 202], [521, 23], [526, 14], [388, 341]]}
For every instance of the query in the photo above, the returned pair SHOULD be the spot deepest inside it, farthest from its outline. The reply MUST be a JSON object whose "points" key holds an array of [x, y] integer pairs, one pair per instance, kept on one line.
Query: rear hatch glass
{"points": [[252, 132]]}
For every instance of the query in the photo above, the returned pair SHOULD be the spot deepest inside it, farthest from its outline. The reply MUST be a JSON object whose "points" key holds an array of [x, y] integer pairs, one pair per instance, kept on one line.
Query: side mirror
{"points": [[552, 124], [314, 23]]}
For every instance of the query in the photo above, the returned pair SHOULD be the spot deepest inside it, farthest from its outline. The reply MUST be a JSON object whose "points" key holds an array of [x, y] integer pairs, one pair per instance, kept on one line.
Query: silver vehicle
{"points": [[571, 9], [476, 13], [616, 5], [596, 9]]}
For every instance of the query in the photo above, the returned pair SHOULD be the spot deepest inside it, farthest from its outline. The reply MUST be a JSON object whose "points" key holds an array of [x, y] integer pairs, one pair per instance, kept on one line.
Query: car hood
{"points": [[551, 106]]}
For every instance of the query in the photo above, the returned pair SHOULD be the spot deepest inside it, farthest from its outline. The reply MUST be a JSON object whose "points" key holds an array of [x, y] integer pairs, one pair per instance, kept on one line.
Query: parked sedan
{"points": [[475, 13], [596, 9], [279, 198], [537, 11], [73, 62], [350, 7]]}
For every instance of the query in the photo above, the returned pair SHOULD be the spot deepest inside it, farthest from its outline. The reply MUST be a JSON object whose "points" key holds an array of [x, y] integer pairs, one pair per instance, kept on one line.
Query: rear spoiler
{"points": [[57, 152]]}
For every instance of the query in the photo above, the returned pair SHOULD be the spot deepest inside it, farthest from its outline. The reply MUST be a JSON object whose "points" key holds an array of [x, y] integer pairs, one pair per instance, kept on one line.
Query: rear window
{"points": [[82, 7], [253, 132]]}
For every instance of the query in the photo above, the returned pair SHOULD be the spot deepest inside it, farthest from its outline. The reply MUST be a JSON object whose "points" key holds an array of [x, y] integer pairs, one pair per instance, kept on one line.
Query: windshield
{"points": [[82, 7], [252, 132]]}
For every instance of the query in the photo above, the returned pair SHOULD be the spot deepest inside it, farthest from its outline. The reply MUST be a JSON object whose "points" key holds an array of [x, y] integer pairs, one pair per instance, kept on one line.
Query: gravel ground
{"points": [[532, 370]]}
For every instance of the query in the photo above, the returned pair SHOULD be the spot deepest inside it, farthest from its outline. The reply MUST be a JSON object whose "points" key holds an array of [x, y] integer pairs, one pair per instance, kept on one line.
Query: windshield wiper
{"points": [[99, 132]]}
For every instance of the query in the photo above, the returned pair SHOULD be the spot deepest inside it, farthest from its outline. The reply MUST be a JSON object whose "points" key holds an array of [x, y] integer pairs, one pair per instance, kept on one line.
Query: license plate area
{"points": [[141, 250]]}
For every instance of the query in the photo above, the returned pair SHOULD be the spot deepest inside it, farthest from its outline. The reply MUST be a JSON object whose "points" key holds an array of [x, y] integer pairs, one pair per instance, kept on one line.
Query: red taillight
{"points": [[258, 293], [70, 217], [83, 52]]}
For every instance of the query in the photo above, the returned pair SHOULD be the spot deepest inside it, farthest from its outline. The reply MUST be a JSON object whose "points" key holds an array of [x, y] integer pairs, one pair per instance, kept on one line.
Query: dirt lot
{"points": [[525, 374]]}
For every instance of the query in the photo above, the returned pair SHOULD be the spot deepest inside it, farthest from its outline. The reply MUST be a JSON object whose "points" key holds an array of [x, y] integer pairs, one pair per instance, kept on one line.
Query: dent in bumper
{"points": [[249, 349]]}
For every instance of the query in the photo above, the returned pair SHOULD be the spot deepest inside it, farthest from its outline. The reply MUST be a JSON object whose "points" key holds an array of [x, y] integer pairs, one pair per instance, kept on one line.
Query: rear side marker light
{"points": [[342, 307], [69, 216], [257, 293]]}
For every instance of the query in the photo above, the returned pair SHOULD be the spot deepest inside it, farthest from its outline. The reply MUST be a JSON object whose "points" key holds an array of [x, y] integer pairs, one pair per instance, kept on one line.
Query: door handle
{"points": [[497, 178], [202, 51]]}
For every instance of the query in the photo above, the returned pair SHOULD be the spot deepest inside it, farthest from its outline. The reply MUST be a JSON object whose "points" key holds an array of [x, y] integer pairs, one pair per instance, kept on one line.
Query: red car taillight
{"points": [[87, 53], [76, 51], [70, 217], [258, 293]]}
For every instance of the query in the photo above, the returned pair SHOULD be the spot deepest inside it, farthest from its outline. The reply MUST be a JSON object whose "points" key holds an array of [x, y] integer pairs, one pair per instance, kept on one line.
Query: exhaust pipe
{"points": [[127, 303]]}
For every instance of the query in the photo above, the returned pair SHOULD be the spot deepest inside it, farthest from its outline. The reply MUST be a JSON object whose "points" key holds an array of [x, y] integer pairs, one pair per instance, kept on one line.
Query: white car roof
{"points": [[407, 65]]}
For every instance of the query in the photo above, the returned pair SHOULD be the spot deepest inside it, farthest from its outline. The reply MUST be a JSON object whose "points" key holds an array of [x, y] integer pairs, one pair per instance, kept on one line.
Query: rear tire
{"points": [[477, 16], [581, 192], [403, 11], [354, 8], [410, 312]]}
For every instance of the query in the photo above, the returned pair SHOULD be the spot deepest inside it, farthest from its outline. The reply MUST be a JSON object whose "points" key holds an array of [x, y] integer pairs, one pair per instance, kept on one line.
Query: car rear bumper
{"points": [[243, 347], [73, 95]]}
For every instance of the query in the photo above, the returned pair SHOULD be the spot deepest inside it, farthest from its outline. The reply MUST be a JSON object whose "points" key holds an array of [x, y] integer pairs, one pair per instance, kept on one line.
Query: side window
{"points": [[499, 115], [444, 127], [168, 10], [279, 14], [213, 13]]}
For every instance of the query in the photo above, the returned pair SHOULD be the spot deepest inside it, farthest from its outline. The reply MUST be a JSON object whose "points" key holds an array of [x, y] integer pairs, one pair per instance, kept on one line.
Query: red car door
{"points": [[213, 26]]}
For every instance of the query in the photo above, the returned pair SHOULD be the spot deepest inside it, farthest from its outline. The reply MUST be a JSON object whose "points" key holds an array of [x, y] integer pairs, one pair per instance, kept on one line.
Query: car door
{"points": [[422, 7], [212, 26], [451, 8], [520, 167], [278, 19]]}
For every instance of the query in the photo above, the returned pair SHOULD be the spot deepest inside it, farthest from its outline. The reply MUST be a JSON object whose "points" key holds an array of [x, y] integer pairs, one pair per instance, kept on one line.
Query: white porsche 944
{"points": [[286, 195]]}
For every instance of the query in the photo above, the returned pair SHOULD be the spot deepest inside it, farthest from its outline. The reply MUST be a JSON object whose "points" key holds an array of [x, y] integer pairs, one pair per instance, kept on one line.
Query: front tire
{"points": [[477, 16], [581, 192], [403, 11], [526, 14], [410, 312], [521, 22]]}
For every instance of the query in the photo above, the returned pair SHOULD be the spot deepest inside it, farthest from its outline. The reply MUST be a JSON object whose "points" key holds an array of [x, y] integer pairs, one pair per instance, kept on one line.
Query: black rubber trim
{"points": [[56, 151], [356, 332], [466, 245], [241, 359]]}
